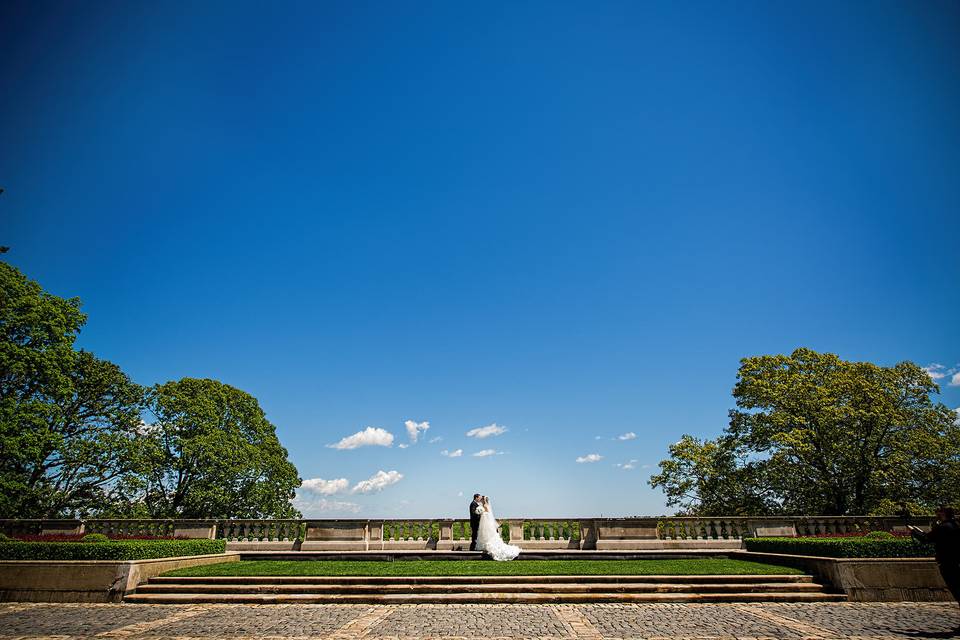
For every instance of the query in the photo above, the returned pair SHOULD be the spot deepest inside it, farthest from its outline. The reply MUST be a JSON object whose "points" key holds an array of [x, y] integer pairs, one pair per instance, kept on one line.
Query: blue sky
{"points": [[569, 220]]}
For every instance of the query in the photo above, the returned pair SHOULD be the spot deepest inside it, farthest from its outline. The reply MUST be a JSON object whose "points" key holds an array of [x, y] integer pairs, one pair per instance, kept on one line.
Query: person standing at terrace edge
{"points": [[945, 537], [475, 510]]}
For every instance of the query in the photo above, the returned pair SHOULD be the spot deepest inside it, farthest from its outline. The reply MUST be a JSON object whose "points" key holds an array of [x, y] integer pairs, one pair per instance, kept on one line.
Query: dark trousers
{"points": [[951, 575], [474, 525]]}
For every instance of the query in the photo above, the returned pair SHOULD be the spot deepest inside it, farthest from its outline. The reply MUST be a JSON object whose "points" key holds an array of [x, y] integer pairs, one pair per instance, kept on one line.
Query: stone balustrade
{"points": [[637, 533]]}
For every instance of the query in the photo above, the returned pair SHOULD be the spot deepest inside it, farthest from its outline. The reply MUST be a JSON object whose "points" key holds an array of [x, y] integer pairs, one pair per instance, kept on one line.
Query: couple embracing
{"points": [[484, 529]]}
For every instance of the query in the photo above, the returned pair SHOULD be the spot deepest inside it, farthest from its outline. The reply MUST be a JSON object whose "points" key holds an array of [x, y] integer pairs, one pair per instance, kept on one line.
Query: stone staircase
{"points": [[480, 589]]}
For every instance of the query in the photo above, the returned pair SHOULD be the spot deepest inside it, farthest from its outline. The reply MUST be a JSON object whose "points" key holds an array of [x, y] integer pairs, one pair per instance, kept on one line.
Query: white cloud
{"points": [[378, 482], [632, 464], [402, 446], [484, 453], [487, 431], [435, 440], [367, 437], [936, 371], [939, 372], [456, 453], [630, 435], [315, 507], [414, 429], [325, 487], [590, 457]]}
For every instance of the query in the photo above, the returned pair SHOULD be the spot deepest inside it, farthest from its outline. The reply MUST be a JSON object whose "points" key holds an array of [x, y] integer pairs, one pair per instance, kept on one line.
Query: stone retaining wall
{"points": [[868, 579], [87, 580]]}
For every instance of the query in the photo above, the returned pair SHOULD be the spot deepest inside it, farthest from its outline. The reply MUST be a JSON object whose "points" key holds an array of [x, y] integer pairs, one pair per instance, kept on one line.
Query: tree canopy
{"points": [[815, 434], [73, 440], [212, 452]]}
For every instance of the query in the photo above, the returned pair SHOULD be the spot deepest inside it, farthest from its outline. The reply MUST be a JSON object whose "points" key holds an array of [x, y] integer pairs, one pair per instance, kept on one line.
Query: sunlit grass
{"points": [[704, 566]]}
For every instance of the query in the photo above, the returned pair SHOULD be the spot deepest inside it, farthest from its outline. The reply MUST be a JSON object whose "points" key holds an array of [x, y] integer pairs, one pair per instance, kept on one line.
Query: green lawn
{"points": [[483, 568]]}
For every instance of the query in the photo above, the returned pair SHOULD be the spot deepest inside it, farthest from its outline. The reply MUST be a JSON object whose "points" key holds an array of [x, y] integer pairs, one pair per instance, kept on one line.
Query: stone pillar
{"points": [[589, 534], [445, 541], [516, 531], [374, 537]]}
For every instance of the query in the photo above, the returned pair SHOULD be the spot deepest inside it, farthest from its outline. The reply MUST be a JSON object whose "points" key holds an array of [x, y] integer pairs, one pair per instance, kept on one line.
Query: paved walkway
{"points": [[591, 621]]}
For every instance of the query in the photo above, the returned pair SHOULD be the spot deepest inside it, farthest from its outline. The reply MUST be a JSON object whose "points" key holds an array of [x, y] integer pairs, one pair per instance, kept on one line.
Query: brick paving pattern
{"points": [[679, 620], [430, 621], [870, 621]]}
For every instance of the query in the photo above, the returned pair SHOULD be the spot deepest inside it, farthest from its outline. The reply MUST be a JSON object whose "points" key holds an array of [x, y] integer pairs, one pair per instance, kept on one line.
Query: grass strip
{"points": [[704, 566]]}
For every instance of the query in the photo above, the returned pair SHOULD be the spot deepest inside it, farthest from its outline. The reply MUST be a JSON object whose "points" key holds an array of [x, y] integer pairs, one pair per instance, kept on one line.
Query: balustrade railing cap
{"points": [[40, 520], [463, 518], [346, 520]]}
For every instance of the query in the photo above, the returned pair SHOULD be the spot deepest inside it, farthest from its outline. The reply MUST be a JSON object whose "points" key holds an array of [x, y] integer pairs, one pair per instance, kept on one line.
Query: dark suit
{"points": [[945, 538], [474, 524]]}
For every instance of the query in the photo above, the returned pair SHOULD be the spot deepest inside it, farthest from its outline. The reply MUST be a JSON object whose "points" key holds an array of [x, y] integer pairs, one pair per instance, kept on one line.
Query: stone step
{"points": [[360, 589], [473, 598], [388, 580]]}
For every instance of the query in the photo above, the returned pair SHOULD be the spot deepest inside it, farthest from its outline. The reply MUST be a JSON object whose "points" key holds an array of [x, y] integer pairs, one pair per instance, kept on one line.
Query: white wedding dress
{"points": [[489, 540]]}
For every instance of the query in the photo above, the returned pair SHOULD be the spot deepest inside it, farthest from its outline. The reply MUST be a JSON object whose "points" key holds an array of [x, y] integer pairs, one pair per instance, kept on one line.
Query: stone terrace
{"points": [[596, 622]]}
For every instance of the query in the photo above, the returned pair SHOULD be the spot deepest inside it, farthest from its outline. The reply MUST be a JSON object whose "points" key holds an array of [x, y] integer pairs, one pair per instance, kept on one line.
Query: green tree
{"points": [[213, 453], [713, 477], [67, 419], [816, 434], [93, 439]]}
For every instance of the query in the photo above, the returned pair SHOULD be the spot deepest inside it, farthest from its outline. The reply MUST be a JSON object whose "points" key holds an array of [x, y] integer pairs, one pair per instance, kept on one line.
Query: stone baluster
{"points": [[801, 526], [735, 528], [746, 530]]}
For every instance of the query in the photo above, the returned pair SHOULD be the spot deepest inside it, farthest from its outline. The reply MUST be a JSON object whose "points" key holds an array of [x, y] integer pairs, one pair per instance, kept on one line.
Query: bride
{"points": [[488, 538]]}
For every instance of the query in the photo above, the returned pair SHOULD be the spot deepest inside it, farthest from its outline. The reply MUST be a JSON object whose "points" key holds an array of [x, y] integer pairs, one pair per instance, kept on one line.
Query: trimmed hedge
{"points": [[94, 537], [861, 547], [113, 550]]}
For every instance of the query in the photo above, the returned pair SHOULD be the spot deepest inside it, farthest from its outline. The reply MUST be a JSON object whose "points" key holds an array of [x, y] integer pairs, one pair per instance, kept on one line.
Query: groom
{"points": [[474, 521]]}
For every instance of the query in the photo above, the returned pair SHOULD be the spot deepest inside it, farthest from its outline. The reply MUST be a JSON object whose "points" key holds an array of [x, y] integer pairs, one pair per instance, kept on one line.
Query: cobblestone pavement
{"points": [[874, 621]]}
